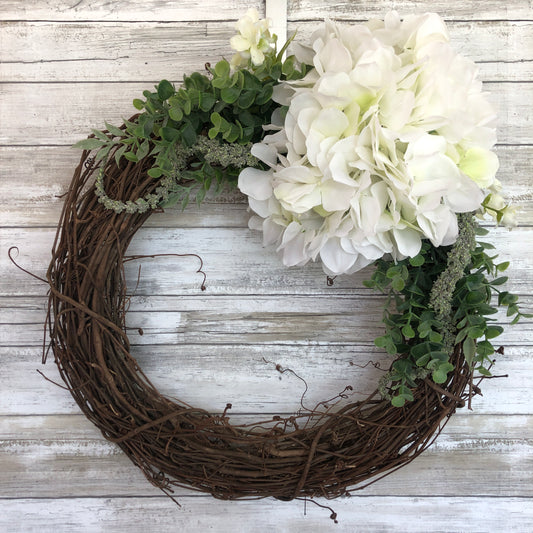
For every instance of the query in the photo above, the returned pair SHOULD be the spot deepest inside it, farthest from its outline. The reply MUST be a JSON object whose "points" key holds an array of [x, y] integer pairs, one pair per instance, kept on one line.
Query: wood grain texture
{"points": [[234, 258], [358, 513], [51, 168], [193, 10], [65, 67], [364, 9], [34, 51], [210, 376], [61, 113], [127, 10], [85, 454]]}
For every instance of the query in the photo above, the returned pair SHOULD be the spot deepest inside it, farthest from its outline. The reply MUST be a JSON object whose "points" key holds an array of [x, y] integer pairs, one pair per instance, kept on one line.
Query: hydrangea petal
{"points": [[408, 241], [335, 259], [255, 183], [480, 165]]}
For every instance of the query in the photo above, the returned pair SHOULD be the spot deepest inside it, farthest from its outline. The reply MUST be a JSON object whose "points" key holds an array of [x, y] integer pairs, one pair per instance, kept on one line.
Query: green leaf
{"points": [[381, 342], [155, 172], [165, 90], [175, 113], [421, 349], [288, 66], [207, 101], [485, 348], [222, 69], [408, 332], [188, 134], [220, 83], [119, 153], [417, 260], [475, 332], [475, 297], [230, 94], [100, 135], [265, 95], [398, 284], [398, 401], [424, 360], [138, 104], [117, 132], [508, 298], [469, 350], [439, 376], [499, 281], [216, 119], [246, 99], [493, 331], [169, 134], [130, 156], [502, 267], [461, 335], [142, 152], [89, 144], [232, 134]]}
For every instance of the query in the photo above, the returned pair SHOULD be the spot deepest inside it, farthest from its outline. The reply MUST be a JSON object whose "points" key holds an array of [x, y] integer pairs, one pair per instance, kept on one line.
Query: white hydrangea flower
{"points": [[383, 143], [253, 40]]}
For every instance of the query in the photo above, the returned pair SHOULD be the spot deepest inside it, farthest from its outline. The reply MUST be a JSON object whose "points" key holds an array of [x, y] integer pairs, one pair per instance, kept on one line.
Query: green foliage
{"points": [[229, 107], [416, 327]]}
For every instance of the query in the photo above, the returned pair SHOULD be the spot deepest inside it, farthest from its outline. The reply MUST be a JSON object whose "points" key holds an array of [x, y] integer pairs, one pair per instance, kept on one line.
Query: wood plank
{"points": [[34, 178], [36, 52], [468, 452], [371, 514], [346, 10], [490, 429], [185, 10], [127, 10], [112, 52], [209, 377], [234, 260], [63, 113], [311, 320]]}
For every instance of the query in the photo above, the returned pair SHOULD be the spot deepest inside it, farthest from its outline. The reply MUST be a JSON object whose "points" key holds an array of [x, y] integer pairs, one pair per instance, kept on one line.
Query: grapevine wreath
{"points": [[372, 145]]}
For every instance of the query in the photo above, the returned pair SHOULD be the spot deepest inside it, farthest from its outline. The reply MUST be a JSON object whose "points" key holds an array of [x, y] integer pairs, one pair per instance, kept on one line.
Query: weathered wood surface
{"points": [[39, 205], [362, 513], [54, 113], [210, 376], [69, 445], [152, 51], [298, 10], [68, 66]]}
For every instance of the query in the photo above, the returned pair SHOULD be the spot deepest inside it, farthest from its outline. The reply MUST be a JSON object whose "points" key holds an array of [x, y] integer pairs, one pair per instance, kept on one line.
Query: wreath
{"points": [[370, 146]]}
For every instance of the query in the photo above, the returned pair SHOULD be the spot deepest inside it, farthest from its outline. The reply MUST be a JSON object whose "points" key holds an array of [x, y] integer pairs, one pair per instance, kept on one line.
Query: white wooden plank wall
{"points": [[67, 66]]}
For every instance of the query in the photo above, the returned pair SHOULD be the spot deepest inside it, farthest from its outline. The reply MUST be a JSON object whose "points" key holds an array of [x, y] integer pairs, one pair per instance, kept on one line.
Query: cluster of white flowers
{"points": [[384, 141], [253, 40]]}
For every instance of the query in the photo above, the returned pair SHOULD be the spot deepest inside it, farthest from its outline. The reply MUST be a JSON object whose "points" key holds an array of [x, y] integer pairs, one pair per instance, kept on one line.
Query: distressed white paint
{"points": [[276, 11], [67, 67]]}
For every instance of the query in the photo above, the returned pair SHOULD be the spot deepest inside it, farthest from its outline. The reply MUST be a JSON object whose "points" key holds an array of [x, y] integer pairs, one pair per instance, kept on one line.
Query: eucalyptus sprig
{"points": [[442, 297], [226, 105]]}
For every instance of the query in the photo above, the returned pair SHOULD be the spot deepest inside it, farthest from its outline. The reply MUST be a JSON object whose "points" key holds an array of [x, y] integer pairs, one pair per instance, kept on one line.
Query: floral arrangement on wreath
{"points": [[371, 145]]}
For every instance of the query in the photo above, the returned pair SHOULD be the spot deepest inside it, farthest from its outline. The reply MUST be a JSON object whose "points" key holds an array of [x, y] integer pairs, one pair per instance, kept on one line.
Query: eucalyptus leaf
{"points": [[469, 350], [89, 144], [165, 90]]}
